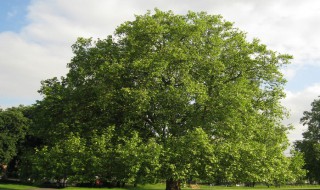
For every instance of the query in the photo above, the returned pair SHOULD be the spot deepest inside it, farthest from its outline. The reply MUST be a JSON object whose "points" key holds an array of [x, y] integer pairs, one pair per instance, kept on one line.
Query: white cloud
{"points": [[24, 65], [297, 103]]}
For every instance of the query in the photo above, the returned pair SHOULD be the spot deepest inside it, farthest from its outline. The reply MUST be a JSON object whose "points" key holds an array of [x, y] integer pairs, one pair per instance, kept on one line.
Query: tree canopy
{"points": [[186, 97]]}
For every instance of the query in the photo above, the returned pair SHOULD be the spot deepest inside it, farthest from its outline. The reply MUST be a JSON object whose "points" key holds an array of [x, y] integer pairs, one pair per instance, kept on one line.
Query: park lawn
{"points": [[15, 186]]}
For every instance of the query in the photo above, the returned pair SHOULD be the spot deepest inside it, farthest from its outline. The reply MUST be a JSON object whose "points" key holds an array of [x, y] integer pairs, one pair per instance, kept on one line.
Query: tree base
{"points": [[173, 185]]}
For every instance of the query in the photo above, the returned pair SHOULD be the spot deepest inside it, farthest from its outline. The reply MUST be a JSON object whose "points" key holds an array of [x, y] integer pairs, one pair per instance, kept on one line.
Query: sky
{"points": [[36, 38]]}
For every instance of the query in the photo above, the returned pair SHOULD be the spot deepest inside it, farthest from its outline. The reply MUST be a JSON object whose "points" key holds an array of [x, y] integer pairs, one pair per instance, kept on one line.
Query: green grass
{"points": [[162, 187], [15, 186]]}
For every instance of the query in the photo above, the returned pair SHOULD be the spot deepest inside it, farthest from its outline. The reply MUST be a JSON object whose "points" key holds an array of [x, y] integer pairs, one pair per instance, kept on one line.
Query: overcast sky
{"points": [[36, 35]]}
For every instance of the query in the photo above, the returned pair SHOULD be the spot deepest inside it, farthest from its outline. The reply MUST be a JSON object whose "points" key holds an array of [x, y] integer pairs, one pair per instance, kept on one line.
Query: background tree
{"points": [[310, 145], [163, 76], [13, 127]]}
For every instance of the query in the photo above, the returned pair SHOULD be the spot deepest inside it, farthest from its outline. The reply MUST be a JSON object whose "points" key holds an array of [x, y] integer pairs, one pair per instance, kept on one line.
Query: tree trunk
{"points": [[172, 184], [4, 171]]}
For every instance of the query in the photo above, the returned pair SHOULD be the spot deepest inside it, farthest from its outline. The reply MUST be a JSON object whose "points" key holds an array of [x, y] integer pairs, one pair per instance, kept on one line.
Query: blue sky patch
{"points": [[306, 76], [13, 14]]}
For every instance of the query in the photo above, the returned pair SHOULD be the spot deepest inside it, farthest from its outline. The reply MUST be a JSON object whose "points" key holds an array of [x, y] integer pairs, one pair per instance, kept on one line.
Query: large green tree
{"points": [[310, 145], [191, 83]]}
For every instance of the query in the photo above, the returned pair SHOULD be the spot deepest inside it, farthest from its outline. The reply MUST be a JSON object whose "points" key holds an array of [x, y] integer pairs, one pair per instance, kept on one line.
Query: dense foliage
{"points": [[167, 97], [13, 127]]}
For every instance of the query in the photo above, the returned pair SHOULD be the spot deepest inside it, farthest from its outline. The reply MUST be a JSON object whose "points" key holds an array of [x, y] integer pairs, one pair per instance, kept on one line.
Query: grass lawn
{"points": [[162, 187], [15, 186]]}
